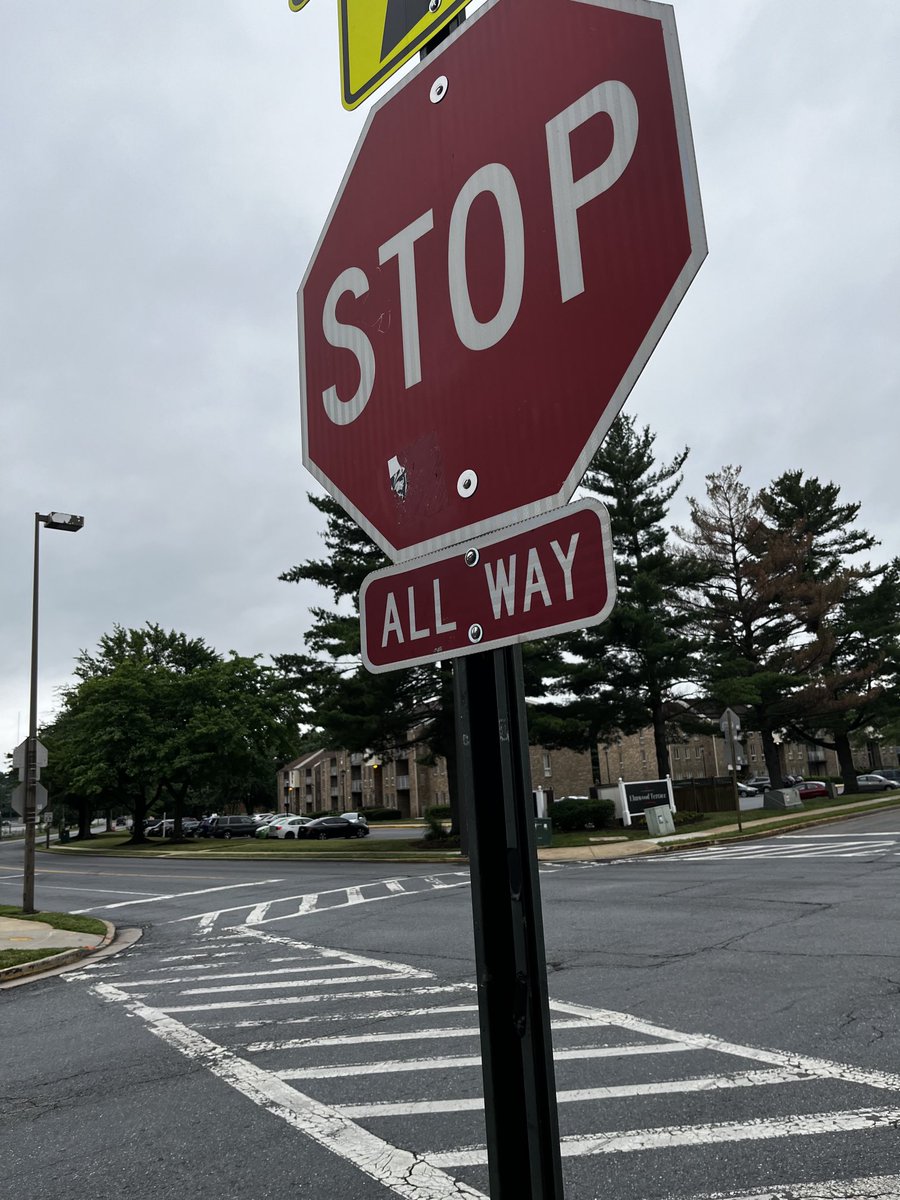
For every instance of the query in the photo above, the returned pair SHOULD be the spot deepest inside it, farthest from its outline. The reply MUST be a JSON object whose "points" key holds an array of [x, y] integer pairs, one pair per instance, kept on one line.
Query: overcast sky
{"points": [[165, 170]]}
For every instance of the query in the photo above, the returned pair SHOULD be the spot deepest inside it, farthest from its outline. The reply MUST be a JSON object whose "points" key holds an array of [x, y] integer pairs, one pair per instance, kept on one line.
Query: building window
{"points": [[548, 771], [676, 752]]}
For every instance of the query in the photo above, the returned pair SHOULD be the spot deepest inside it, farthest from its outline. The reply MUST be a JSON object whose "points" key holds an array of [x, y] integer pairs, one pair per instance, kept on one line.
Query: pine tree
{"points": [[627, 673]]}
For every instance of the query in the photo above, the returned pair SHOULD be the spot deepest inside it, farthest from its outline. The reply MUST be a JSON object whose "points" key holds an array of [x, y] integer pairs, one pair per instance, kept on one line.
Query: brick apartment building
{"points": [[335, 780]]}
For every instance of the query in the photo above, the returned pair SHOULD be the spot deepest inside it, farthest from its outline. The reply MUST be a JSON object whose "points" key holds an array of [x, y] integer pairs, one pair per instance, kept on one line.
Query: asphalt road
{"points": [[724, 1023]]}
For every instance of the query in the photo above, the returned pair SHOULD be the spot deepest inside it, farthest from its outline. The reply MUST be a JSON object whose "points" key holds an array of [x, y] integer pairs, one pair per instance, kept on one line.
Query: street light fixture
{"points": [[70, 524]]}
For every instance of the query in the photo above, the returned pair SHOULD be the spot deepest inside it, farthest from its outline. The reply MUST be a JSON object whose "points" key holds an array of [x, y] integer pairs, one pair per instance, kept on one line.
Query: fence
{"points": [[704, 795]]}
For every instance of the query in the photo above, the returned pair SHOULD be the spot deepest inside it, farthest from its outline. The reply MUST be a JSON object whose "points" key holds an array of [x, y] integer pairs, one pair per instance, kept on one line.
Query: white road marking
{"points": [[456, 1061], [308, 901], [413, 1035], [312, 998], [870, 1187], [798, 1125], [706, 1083], [259, 912], [820, 1067], [406, 1174], [326, 997], [151, 899], [382, 976], [171, 981]]}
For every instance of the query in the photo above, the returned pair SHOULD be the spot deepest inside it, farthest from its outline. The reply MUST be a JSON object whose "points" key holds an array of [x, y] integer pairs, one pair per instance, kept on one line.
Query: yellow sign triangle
{"points": [[379, 36]]}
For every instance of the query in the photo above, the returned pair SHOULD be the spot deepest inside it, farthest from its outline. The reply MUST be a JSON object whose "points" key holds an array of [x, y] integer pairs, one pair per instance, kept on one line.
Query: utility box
{"points": [[543, 831], [659, 820], [780, 798]]}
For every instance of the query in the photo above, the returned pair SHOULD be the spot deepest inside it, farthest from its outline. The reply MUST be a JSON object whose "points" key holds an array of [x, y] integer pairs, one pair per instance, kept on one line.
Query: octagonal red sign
{"points": [[519, 221]]}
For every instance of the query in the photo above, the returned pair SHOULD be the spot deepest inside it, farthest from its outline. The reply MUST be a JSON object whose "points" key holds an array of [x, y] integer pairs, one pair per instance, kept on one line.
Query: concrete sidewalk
{"points": [[804, 819], [16, 934]]}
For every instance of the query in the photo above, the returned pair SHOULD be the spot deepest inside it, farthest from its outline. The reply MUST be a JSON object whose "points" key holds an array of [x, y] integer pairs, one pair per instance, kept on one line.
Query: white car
{"points": [[286, 827]]}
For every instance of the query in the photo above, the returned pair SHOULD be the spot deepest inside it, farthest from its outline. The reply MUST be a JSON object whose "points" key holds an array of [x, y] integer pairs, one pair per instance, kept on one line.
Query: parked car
{"points": [[889, 773], [875, 783], [159, 829], [744, 789], [331, 827], [285, 827], [260, 818], [229, 827], [205, 828], [359, 817], [758, 782], [812, 789]]}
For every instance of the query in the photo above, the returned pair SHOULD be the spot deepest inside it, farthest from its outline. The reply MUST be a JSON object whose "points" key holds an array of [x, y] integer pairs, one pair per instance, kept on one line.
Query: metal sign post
{"points": [[730, 725], [513, 1003]]}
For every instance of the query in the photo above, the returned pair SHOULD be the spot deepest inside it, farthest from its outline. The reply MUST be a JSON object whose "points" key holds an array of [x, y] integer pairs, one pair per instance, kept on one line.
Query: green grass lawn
{"points": [[15, 958], [120, 843], [73, 923]]}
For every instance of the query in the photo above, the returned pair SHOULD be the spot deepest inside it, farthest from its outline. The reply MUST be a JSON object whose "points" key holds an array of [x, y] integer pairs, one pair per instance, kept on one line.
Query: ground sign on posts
{"points": [[545, 576], [635, 797], [486, 292]]}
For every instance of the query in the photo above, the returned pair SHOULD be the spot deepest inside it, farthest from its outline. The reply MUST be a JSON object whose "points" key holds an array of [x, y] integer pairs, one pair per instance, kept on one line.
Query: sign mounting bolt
{"points": [[471, 557], [434, 5], [438, 89], [476, 633], [466, 484]]}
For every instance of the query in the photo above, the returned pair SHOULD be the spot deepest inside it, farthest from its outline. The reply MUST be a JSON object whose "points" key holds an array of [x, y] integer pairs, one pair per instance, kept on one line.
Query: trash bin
{"points": [[659, 820], [63, 833], [543, 831]]}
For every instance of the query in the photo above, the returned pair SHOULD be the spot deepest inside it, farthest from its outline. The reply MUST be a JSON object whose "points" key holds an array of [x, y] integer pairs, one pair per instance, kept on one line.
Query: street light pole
{"points": [[71, 524]]}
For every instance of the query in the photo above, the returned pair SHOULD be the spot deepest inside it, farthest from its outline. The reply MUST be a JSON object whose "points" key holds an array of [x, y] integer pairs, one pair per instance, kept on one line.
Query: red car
{"points": [[812, 789]]}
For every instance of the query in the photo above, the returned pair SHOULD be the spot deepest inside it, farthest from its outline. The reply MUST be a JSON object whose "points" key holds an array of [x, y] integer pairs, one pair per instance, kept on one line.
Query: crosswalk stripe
{"points": [[456, 1061], [706, 1083], [800, 1125]]}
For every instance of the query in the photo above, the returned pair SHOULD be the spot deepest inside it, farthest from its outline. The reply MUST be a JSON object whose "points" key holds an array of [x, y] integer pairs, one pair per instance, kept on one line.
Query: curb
{"points": [[52, 961]]}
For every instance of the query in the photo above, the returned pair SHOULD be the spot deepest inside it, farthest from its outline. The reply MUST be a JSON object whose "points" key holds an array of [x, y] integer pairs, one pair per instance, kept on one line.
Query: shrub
{"points": [[440, 811], [569, 816], [687, 818], [435, 831], [378, 813]]}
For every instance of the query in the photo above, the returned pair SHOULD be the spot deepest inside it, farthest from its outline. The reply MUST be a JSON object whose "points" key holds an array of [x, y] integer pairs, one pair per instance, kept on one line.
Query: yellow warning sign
{"points": [[379, 36]]}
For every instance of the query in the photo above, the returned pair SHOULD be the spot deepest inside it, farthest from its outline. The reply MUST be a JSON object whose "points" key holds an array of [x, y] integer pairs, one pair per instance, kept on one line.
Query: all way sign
{"points": [[549, 575]]}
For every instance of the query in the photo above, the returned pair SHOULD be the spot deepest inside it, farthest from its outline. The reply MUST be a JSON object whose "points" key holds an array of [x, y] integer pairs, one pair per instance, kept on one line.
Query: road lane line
{"points": [[360, 899], [759, 1129], [456, 1061], [385, 1014], [182, 895], [404, 1173], [706, 1083]]}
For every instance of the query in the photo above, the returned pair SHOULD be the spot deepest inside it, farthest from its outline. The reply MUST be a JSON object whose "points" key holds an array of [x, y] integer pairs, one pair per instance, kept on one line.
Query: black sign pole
{"points": [[494, 778], [513, 1004]]}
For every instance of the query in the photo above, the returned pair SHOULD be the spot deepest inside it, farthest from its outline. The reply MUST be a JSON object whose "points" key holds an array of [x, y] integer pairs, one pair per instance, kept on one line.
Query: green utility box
{"points": [[543, 831]]}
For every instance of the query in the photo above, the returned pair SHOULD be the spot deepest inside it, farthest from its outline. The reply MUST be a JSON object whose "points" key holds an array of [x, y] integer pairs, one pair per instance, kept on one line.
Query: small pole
{"points": [[737, 795]]}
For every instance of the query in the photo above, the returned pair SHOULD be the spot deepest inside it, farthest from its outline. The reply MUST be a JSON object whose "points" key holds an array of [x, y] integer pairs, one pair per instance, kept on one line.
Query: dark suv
{"points": [[229, 827]]}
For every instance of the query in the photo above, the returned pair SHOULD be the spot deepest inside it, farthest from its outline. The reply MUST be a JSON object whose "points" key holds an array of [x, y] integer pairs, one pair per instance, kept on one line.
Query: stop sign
{"points": [[519, 221]]}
